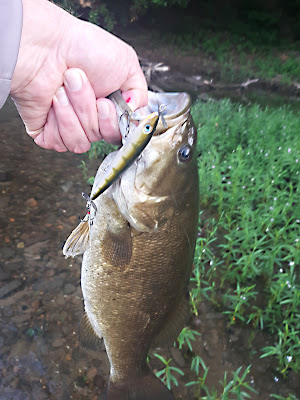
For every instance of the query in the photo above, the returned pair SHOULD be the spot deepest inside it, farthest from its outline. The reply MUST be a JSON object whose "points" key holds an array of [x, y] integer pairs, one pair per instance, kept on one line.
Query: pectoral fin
{"points": [[78, 241], [87, 337], [118, 244], [117, 250]]}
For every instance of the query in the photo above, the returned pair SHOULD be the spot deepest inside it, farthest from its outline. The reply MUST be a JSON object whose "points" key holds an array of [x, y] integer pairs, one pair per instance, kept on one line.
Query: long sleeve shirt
{"points": [[11, 20]]}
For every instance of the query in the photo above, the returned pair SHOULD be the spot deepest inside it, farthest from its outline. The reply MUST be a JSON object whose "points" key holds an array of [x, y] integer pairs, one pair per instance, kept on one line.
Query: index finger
{"points": [[134, 89]]}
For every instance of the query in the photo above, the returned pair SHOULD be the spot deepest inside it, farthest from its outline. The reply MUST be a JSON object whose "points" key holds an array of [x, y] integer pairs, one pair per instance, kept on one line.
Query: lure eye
{"points": [[147, 128], [185, 153]]}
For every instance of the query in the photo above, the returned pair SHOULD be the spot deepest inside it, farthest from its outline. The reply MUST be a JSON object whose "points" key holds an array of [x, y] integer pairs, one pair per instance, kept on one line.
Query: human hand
{"points": [[65, 69]]}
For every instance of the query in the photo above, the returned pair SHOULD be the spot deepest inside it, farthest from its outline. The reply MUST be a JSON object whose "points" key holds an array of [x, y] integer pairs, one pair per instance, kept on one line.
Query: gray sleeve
{"points": [[11, 19]]}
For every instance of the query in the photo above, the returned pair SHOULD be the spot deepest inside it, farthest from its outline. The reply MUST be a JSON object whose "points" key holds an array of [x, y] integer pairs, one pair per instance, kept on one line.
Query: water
{"points": [[40, 296]]}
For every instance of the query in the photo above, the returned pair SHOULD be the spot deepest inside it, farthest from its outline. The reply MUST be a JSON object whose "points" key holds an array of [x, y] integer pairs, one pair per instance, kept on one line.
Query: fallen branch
{"points": [[196, 80]]}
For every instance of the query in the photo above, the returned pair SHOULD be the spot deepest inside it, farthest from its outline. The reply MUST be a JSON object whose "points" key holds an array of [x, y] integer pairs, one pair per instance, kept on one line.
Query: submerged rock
{"points": [[9, 287]]}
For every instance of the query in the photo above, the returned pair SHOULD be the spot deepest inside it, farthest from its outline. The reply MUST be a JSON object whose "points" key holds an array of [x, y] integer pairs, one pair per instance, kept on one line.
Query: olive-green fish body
{"points": [[138, 259]]}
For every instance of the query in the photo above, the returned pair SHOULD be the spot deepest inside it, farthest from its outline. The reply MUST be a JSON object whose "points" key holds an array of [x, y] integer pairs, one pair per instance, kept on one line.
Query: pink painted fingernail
{"points": [[103, 110], [73, 79], [61, 97], [128, 100]]}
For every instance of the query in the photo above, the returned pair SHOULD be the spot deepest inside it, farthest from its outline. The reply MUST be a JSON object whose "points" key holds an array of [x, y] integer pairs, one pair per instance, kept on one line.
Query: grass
{"points": [[240, 56], [249, 182]]}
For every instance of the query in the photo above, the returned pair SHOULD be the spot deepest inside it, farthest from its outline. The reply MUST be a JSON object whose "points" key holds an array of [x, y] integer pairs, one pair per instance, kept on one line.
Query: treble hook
{"points": [[89, 204], [127, 115], [161, 110]]}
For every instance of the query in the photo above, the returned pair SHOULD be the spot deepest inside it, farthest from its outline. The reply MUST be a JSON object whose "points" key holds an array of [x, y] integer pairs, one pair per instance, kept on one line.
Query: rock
{"points": [[3, 221], [31, 203], [7, 311], [208, 348], [9, 287], [73, 219], [20, 245], [99, 381], [5, 177], [214, 337], [1, 341], [50, 284], [66, 186], [33, 252], [58, 342], [69, 288], [3, 275], [6, 252], [91, 373], [177, 356]]}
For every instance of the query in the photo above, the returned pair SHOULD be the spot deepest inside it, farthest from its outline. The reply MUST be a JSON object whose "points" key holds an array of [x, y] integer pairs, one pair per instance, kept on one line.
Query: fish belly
{"points": [[128, 299]]}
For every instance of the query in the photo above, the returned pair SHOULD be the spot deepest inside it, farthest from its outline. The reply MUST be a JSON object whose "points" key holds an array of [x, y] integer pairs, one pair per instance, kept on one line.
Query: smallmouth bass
{"points": [[139, 252]]}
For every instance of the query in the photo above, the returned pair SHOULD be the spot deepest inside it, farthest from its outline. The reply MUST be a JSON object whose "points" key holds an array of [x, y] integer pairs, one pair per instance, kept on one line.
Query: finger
{"points": [[82, 98], [134, 89], [50, 138], [136, 98], [108, 121], [68, 123]]}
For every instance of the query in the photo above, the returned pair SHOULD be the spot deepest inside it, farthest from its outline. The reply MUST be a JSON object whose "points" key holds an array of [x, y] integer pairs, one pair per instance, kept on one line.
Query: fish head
{"points": [[168, 163], [164, 178]]}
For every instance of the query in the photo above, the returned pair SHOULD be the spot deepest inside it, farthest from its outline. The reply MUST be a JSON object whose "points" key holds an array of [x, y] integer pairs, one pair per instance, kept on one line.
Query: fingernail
{"points": [[131, 105], [61, 97], [103, 110], [73, 79]]}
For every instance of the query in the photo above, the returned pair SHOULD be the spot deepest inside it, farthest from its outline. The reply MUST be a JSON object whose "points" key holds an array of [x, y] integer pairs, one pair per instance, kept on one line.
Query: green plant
{"points": [[100, 149], [185, 337], [236, 387], [249, 188], [278, 397], [166, 374], [85, 170], [100, 14]]}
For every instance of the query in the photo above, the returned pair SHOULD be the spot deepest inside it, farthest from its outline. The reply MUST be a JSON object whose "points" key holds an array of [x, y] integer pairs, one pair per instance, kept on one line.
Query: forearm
{"points": [[10, 34]]}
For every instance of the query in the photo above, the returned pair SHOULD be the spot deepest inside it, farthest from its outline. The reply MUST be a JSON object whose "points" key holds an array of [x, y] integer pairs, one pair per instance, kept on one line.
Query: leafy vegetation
{"points": [[249, 181], [236, 387]]}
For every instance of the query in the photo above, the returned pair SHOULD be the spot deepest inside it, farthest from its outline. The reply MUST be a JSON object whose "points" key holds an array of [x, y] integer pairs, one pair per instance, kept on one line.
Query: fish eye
{"points": [[147, 128], [185, 153]]}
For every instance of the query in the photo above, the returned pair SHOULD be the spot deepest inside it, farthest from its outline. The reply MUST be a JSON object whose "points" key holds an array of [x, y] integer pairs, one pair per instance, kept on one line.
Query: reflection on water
{"points": [[40, 295]]}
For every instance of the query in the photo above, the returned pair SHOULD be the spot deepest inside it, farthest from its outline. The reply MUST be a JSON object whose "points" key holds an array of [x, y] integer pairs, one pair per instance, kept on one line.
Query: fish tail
{"points": [[142, 388]]}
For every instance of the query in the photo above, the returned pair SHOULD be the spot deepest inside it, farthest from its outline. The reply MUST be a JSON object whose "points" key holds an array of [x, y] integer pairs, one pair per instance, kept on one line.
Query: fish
{"points": [[138, 258]]}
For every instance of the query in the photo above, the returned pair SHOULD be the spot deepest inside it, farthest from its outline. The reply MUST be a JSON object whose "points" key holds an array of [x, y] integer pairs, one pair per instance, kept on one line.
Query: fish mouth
{"points": [[175, 107], [176, 104]]}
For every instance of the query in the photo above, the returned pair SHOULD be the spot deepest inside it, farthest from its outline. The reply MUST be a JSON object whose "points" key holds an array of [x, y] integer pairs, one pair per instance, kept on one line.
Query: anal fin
{"points": [[174, 324], [87, 337]]}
